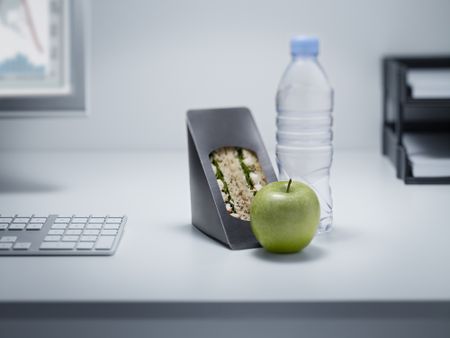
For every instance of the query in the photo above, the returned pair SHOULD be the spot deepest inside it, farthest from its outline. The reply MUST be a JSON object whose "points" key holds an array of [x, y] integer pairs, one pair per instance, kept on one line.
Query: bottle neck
{"points": [[304, 57]]}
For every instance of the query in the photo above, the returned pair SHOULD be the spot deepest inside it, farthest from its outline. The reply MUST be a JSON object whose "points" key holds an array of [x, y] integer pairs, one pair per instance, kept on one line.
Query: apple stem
{"points": [[289, 185]]}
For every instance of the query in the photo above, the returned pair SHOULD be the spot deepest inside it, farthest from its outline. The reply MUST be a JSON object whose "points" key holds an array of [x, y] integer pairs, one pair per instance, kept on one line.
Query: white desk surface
{"points": [[391, 241]]}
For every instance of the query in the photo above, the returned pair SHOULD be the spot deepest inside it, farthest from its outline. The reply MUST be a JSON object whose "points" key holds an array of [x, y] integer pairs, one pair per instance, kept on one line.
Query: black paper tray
{"points": [[403, 114]]}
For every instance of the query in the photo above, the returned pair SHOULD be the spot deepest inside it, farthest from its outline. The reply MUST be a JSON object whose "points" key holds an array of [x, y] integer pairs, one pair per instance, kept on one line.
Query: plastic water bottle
{"points": [[304, 136]]}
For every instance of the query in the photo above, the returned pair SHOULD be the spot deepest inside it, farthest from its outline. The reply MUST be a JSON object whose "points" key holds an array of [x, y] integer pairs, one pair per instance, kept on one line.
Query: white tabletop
{"points": [[391, 241]]}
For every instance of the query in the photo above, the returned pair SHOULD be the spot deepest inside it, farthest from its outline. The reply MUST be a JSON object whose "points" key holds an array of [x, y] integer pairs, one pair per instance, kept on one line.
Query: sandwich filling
{"points": [[239, 176]]}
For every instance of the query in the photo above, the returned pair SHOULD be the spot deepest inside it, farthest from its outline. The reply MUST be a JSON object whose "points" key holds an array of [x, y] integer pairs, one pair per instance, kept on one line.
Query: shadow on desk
{"points": [[190, 230], [309, 254], [315, 251], [11, 184]]}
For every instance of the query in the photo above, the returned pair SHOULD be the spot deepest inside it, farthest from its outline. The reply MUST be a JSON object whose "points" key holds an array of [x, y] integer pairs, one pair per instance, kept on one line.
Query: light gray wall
{"points": [[153, 60]]}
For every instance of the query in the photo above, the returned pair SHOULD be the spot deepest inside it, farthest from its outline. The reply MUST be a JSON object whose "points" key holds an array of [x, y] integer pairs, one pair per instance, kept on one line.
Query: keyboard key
{"points": [[5, 219], [17, 226], [88, 238], [114, 220], [70, 238], [62, 220], [35, 226], [38, 220], [105, 242], [56, 232], [21, 220], [79, 220], [59, 226], [94, 226], [5, 246], [73, 232], [111, 226], [22, 246], [76, 226], [97, 220], [109, 232], [91, 232], [52, 238], [3, 226], [57, 245], [85, 245], [11, 239]]}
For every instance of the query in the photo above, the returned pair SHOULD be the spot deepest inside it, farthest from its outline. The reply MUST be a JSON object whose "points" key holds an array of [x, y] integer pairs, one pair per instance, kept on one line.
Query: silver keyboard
{"points": [[60, 235]]}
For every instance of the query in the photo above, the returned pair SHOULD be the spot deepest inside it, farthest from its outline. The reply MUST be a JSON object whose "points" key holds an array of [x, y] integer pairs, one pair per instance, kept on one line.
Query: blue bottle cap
{"points": [[304, 46]]}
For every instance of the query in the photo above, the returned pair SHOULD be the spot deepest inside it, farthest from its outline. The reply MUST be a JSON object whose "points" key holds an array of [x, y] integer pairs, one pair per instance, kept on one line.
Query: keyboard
{"points": [[55, 235]]}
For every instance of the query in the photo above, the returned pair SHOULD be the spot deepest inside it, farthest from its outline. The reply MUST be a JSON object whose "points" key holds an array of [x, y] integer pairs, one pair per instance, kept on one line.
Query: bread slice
{"points": [[239, 176]]}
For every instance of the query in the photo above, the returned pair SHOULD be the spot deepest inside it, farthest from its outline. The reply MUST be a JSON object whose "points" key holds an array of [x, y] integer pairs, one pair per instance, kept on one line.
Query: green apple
{"points": [[284, 216]]}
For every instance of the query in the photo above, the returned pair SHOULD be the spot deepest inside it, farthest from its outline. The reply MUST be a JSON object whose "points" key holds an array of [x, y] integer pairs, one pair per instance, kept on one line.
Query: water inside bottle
{"points": [[304, 136]]}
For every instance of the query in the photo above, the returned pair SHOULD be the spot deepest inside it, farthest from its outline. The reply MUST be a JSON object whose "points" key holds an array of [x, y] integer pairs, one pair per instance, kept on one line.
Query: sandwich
{"points": [[239, 176]]}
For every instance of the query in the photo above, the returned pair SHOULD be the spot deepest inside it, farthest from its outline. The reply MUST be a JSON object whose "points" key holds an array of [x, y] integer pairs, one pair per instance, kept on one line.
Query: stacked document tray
{"points": [[416, 118]]}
